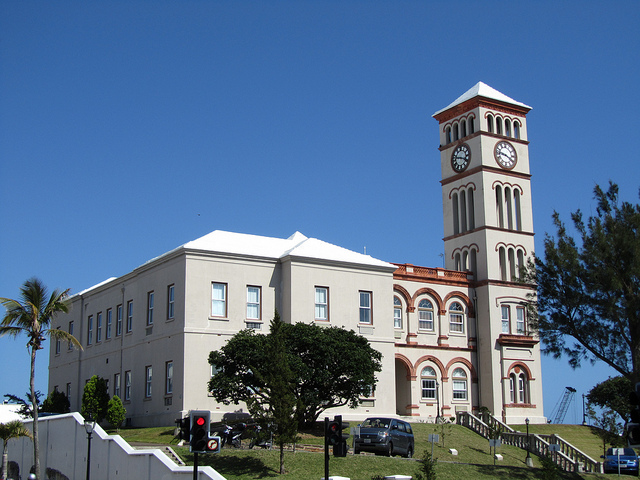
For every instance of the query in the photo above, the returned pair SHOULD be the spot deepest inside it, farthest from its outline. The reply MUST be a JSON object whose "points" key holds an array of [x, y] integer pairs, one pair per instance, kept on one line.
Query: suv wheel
{"points": [[409, 452]]}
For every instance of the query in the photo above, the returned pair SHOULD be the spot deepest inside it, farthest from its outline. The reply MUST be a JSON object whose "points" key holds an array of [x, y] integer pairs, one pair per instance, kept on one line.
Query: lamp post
{"points": [[89, 425], [528, 460], [437, 402]]}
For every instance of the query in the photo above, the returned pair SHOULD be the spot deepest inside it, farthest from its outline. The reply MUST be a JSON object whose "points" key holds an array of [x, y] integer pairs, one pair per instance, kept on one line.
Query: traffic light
{"points": [[633, 427], [199, 421], [184, 432], [333, 432]]}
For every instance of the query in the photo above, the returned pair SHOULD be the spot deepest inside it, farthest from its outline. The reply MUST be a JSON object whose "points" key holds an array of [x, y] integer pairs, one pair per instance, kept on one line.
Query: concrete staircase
{"points": [[565, 455]]}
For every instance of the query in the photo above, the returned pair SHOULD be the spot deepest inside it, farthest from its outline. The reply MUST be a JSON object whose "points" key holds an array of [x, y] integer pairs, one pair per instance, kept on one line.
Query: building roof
{"points": [[9, 412], [481, 89], [297, 245]]}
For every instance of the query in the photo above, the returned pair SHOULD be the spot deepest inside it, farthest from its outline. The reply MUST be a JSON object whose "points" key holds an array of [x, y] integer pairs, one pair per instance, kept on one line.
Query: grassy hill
{"points": [[473, 460]]}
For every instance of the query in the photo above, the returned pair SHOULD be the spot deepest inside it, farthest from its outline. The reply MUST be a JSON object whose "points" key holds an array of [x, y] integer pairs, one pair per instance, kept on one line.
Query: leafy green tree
{"points": [[613, 394], [95, 399], [331, 366], [56, 402], [588, 295], [274, 406], [116, 413], [32, 315], [9, 430], [607, 427], [427, 468]]}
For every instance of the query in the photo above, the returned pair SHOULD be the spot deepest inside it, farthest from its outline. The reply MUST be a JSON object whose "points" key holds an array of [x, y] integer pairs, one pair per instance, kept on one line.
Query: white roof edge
{"points": [[297, 245], [481, 89]]}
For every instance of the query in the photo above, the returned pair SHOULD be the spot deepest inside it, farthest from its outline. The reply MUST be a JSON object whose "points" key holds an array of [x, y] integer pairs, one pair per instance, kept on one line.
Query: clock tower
{"points": [[488, 231]]}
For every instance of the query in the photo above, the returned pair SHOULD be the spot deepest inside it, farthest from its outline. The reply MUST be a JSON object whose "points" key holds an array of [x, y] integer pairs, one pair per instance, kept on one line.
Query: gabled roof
{"points": [[297, 245], [481, 89]]}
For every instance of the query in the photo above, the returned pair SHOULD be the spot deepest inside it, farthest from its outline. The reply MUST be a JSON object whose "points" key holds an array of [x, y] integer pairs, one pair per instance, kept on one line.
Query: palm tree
{"points": [[32, 315], [9, 430]]}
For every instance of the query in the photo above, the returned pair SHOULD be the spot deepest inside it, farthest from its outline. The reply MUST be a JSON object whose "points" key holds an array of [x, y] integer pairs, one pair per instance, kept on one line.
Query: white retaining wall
{"points": [[63, 447]]}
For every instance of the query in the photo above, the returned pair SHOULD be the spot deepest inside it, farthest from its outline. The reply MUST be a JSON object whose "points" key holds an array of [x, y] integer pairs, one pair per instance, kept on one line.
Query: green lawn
{"points": [[473, 459]]}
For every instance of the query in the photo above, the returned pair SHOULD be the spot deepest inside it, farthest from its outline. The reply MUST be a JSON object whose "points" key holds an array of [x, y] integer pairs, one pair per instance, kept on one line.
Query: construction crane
{"points": [[563, 405]]}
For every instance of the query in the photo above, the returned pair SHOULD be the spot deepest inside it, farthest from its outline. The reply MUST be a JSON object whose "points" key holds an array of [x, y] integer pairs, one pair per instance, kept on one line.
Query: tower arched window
{"points": [[456, 218], [499, 125], [516, 129], [512, 264], [520, 255], [517, 209], [518, 386], [471, 123], [490, 123], [428, 379], [425, 315], [459, 384], [463, 211], [499, 207], [471, 217], [509, 205], [473, 262], [507, 127], [447, 134], [465, 261], [502, 256], [463, 126], [397, 313], [456, 318], [457, 262], [456, 135]]}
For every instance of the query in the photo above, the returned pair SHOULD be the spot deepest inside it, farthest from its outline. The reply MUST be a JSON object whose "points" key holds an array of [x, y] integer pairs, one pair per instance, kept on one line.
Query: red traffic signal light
{"points": [[333, 430], [199, 420]]}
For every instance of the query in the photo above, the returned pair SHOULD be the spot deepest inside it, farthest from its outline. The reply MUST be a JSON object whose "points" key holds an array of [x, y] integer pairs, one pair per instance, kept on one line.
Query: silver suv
{"points": [[387, 436]]}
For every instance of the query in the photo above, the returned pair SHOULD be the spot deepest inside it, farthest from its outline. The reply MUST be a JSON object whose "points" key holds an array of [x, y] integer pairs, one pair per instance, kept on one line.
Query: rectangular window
{"points": [[170, 302], [520, 324], [425, 320], [459, 389], [147, 382], [58, 344], [168, 383], [90, 330], [70, 333], [254, 325], [365, 308], [397, 317], [428, 389], [116, 385], [129, 316], [69, 391], [108, 332], [127, 385], [322, 304], [149, 308], [99, 327], [218, 299], [253, 303], [506, 320], [118, 320]]}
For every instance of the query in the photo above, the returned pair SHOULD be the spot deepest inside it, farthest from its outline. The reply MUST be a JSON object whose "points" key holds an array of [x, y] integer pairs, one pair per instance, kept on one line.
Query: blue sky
{"points": [[128, 128]]}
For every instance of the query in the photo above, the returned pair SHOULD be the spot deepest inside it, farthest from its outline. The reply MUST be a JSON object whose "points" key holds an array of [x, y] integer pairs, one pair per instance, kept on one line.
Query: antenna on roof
{"points": [[365, 249]]}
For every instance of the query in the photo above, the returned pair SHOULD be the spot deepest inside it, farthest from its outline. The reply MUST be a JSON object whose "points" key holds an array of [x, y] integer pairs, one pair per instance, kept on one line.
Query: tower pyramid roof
{"points": [[481, 89]]}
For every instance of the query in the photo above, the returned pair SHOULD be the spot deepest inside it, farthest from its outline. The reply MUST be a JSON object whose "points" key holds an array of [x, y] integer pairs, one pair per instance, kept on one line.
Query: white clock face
{"points": [[460, 157], [505, 155]]}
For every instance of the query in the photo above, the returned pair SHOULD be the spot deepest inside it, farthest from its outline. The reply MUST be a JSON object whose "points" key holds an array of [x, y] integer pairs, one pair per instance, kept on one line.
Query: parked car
{"points": [[625, 458], [387, 436]]}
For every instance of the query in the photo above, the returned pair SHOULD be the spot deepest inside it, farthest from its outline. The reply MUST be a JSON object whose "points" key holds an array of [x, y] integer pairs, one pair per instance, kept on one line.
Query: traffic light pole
{"points": [[195, 465], [326, 449]]}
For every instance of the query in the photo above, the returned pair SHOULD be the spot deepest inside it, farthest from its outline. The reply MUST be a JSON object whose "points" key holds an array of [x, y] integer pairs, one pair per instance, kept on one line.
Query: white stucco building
{"points": [[454, 339]]}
